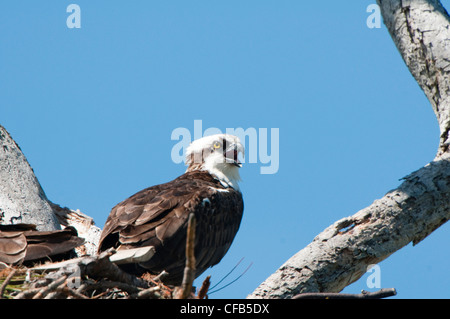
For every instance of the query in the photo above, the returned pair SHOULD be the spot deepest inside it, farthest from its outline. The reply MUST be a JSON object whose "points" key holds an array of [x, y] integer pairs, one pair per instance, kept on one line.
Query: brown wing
{"points": [[135, 217], [157, 216], [21, 242], [50, 243], [13, 245]]}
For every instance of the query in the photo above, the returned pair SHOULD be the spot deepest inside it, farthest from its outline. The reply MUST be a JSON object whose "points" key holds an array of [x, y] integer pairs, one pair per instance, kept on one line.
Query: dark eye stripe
{"points": [[224, 144]]}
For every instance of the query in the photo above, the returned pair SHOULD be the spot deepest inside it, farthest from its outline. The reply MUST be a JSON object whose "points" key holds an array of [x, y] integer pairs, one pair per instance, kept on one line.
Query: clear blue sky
{"points": [[94, 108]]}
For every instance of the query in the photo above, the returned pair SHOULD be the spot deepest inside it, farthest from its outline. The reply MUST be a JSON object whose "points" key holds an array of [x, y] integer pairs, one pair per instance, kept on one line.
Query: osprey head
{"points": [[217, 154]]}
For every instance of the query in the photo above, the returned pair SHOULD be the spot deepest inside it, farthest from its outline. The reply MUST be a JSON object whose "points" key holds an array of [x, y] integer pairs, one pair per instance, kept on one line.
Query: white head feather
{"points": [[217, 154]]}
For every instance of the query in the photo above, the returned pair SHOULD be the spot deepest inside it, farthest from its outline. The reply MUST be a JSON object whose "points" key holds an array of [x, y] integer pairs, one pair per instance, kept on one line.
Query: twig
{"points": [[42, 293], [189, 269], [6, 282], [161, 275], [67, 292], [26, 294], [56, 292], [202, 292], [382, 293], [152, 292], [108, 285]]}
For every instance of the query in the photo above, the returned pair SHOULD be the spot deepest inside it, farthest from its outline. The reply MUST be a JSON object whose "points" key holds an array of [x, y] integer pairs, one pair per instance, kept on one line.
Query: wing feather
{"points": [[157, 216], [12, 247], [28, 244]]}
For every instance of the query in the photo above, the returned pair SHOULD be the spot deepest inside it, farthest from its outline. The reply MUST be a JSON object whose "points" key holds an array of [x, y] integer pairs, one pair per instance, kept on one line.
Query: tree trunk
{"points": [[341, 253], [22, 199]]}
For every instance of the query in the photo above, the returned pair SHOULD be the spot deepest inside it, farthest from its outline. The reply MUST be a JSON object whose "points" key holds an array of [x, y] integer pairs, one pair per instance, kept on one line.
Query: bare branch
{"points": [[421, 31], [202, 292], [342, 253], [51, 287], [382, 293], [149, 293], [6, 282], [189, 271]]}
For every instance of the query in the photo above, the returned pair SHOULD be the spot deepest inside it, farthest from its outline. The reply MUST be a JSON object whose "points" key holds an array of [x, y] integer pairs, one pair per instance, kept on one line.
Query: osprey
{"points": [[158, 216]]}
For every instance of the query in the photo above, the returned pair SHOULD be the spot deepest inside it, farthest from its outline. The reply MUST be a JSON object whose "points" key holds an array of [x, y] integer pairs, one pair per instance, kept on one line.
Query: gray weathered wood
{"points": [[84, 225], [22, 199], [342, 252], [420, 30]]}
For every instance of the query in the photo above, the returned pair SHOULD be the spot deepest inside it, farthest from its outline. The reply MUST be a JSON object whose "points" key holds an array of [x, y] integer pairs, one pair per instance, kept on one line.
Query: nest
{"points": [[86, 278]]}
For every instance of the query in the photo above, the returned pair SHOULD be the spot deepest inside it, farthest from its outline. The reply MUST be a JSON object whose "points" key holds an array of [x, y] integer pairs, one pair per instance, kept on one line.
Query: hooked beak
{"points": [[231, 154]]}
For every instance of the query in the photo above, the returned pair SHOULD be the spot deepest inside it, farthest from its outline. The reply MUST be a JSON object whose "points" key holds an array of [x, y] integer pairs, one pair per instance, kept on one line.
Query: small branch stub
{"points": [[189, 270], [382, 293]]}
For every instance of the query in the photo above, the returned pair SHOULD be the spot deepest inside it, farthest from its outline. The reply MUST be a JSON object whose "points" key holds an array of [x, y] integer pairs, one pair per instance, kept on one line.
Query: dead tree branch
{"points": [[89, 277], [6, 282], [189, 271], [342, 253], [382, 293], [420, 31]]}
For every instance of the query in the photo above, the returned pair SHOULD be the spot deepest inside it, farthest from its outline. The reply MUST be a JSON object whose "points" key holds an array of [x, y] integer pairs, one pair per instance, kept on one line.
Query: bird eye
{"points": [[217, 145]]}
